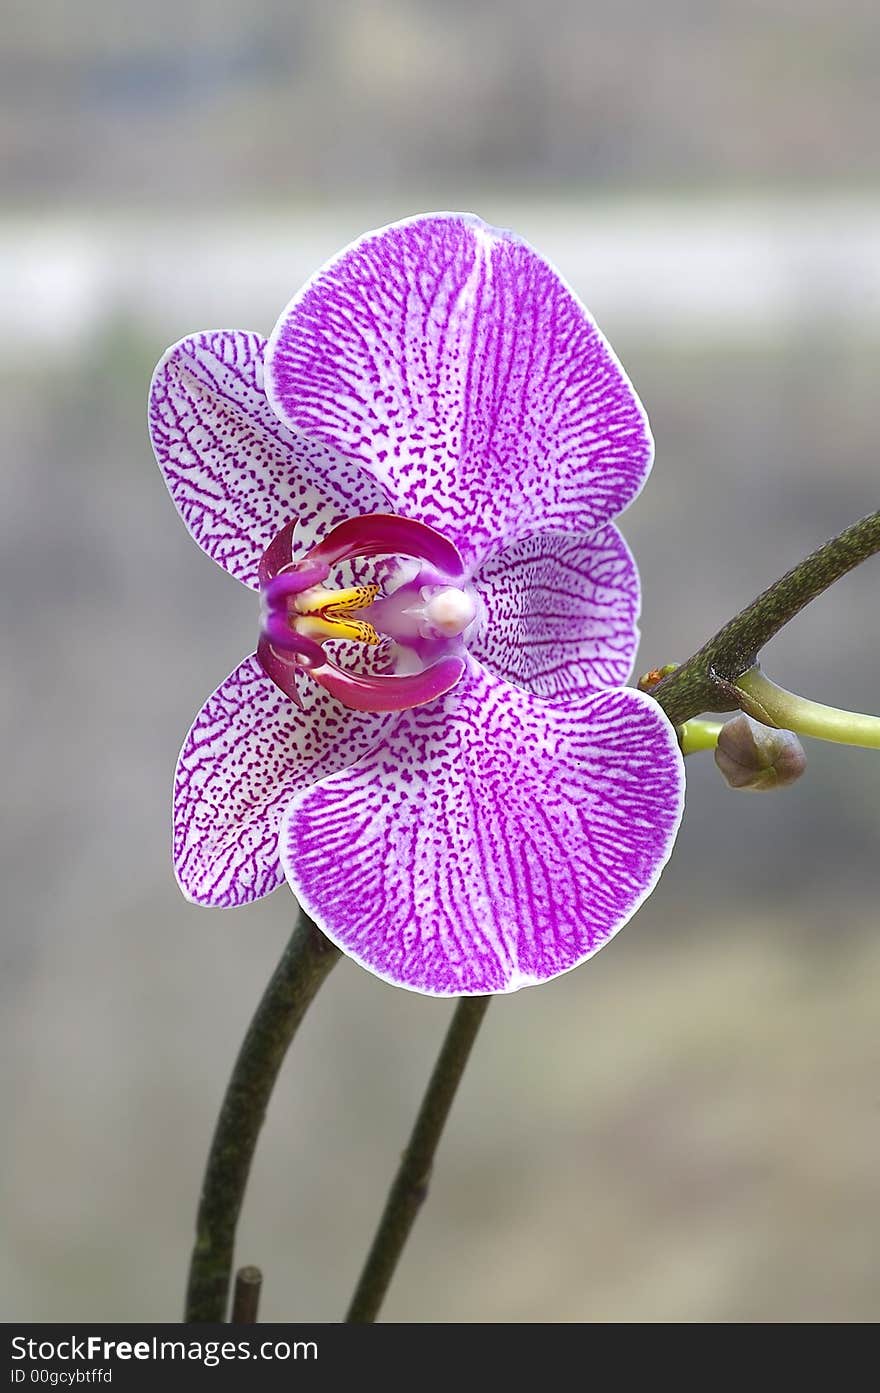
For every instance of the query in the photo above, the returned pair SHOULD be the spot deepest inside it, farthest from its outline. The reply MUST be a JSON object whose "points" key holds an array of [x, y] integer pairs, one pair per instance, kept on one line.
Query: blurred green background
{"points": [[688, 1127]]}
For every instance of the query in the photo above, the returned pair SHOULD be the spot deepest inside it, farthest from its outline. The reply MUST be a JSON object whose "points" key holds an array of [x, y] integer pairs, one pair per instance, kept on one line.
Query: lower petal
{"points": [[250, 750], [560, 612], [492, 840]]}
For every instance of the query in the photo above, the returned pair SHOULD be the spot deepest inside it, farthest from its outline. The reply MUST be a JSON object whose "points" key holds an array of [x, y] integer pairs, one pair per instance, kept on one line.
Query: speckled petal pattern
{"points": [[492, 840], [248, 752], [234, 472], [561, 612], [455, 365]]}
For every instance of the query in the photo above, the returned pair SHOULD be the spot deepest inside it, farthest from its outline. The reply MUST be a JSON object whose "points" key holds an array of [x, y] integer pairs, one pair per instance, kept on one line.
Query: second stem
{"points": [[411, 1182]]}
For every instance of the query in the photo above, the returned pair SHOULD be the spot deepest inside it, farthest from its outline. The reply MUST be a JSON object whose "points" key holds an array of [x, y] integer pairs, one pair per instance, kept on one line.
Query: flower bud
{"points": [[754, 756]]}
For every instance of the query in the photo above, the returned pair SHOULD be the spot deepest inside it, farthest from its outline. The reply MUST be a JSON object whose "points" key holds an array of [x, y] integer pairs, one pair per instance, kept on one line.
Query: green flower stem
{"points": [[776, 707], [305, 963], [694, 736], [411, 1182], [707, 681]]}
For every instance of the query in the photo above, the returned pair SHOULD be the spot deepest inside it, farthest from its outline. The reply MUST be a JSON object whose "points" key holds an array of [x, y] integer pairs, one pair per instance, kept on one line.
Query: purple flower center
{"points": [[428, 613]]}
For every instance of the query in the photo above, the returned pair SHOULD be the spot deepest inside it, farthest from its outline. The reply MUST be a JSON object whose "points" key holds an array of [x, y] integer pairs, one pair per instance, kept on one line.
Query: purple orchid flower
{"points": [[419, 473]]}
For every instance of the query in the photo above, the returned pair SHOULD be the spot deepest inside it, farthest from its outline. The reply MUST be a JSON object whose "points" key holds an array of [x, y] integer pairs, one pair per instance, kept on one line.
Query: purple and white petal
{"points": [[456, 365], [235, 473], [492, 840], [248, 752], [560, 612]]}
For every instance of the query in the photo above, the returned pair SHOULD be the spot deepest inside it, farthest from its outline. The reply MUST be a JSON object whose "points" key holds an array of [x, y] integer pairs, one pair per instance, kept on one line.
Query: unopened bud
{"points": [[754, 756]]}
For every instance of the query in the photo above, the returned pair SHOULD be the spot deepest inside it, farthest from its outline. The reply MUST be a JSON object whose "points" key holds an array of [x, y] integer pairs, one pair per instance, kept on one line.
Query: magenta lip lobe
{"points": [[278, 554], [386, 534], [294, 582], [390, 693], [281, 635]]}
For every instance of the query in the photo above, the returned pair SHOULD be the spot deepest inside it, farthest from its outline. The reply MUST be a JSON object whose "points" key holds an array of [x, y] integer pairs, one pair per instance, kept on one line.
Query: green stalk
{"points": [[410, 1187], [305, 963], [776, 707]]}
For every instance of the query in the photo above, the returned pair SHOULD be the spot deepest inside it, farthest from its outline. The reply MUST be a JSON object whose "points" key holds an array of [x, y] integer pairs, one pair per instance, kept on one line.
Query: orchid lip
{"points": [[391, 692], [387, 534], [299, 613]]}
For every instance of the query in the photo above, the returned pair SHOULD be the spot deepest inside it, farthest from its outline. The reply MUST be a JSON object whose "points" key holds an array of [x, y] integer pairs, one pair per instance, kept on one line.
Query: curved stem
{"points": [[305, 963], [706, 682], [694, 736], [775, 706], [411, 1182]]}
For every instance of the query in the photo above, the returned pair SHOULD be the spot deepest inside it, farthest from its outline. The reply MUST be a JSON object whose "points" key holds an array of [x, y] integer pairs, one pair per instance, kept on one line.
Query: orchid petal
{"points": [[560, 612], [459, 369], [492, 840], [234, 472], [248, 752]]}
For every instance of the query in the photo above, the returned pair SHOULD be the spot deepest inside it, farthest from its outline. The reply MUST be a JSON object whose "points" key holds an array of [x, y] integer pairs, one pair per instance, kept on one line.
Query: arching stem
{"points": [[707, 681]]}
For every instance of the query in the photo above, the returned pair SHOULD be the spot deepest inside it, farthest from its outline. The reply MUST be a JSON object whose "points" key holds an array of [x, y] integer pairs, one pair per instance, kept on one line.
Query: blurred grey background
{"points": [[687, 1129]]}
